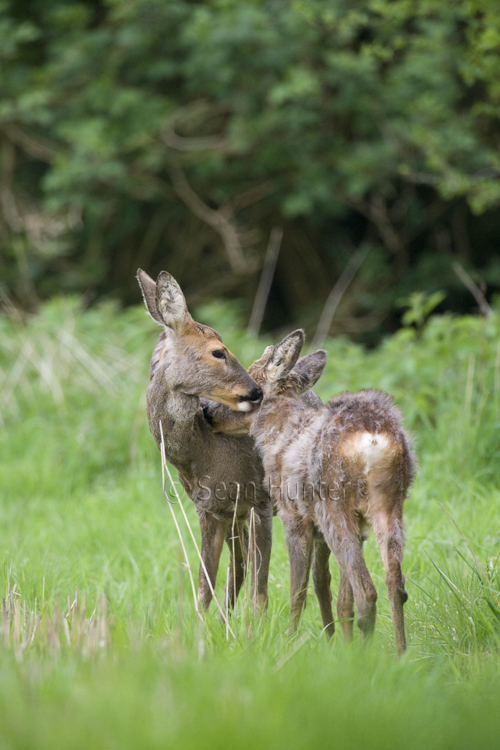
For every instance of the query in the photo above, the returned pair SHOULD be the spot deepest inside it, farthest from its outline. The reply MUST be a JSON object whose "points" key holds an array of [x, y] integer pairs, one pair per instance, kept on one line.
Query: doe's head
{"points": [[193, 357], [280, 373]]}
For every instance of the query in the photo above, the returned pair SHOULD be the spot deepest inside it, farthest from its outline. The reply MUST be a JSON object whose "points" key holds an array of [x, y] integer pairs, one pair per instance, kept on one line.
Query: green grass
{"points": [[81, 507]]}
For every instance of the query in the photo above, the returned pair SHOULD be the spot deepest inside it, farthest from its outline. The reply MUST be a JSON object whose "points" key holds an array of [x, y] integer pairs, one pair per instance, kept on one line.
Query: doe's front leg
{"points": [[237, 542], [212, 540], [260, 545]]}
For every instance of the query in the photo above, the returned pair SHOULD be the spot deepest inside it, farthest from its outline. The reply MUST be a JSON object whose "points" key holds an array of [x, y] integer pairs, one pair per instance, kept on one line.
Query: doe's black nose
{"points": [[256, 395]]}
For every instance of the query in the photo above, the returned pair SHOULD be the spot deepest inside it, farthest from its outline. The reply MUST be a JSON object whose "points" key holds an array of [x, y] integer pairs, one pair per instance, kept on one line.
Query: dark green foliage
{"points": [[177, 134]]}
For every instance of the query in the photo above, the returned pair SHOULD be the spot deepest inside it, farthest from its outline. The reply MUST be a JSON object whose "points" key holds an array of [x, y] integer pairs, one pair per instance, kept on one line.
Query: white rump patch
{"points": [[245, 406], [371, 446]]}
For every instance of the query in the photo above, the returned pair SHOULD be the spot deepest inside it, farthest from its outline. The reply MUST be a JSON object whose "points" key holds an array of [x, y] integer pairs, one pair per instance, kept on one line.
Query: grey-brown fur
{"points": [[183, 376], [333, 470]]}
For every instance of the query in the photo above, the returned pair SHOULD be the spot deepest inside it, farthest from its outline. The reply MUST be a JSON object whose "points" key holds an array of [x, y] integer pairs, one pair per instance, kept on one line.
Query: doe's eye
{"points": [[219, 354]]}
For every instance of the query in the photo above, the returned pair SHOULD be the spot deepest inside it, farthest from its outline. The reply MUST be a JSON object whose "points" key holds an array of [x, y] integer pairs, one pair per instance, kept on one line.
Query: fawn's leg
{"points": [[345, 604], [299, 542], [389, 534], [321, 578], [212, 540], [352, 564], [261, 555], [341, 533], [345, 607], [237, 542]]}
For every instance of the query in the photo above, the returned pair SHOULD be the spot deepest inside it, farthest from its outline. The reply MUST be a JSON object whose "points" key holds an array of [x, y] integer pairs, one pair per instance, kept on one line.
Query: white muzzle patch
{"points": [[245, 406]]}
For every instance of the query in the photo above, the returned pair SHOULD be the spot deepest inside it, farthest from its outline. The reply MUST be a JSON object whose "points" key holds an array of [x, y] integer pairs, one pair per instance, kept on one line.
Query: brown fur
{"points": [[334, 470], [184, 374]]}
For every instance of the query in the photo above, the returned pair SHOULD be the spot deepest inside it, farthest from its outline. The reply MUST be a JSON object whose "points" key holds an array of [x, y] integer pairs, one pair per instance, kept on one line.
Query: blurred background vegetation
{"points": [[177, 134], [359, 141]]}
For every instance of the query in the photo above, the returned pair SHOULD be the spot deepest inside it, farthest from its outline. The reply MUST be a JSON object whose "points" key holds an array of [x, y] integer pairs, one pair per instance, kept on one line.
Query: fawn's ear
{"points": [[148, 289], [285, 355], [170, 301], [310, 368]]}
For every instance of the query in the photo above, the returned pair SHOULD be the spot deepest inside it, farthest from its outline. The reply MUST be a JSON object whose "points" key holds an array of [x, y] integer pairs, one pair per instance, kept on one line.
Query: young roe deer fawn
{"points": [[333, 469], [190, 364]]}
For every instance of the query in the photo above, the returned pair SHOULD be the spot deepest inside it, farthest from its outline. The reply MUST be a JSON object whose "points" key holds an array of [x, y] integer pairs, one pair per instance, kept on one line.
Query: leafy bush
{"points": [[177, 134]]}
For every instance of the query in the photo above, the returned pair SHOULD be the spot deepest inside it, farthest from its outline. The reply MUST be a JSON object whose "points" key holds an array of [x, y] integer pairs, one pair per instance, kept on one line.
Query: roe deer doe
{"points": [[333, 470], [189, 364]]}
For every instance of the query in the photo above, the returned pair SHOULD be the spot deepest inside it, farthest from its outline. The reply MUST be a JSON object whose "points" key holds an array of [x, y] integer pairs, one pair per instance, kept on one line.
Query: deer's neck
{"points": [[278, 425], [175, 410], [271, 422]]}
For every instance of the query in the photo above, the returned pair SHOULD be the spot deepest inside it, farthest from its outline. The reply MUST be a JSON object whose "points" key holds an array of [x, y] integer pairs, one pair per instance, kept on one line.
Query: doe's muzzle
{"points": [[247, 403]]}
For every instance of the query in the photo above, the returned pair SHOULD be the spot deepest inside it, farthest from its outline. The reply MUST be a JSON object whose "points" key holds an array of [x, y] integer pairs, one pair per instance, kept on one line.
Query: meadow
{"points": [[100, 645]]}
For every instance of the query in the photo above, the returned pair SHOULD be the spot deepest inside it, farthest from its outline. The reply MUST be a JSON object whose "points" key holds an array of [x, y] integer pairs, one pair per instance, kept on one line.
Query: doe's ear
{"points": [[148, 289], [310, 368], [170, 301], [285, 355]]}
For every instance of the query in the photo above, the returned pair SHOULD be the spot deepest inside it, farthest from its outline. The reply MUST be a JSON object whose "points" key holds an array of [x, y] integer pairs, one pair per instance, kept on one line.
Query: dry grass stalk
{"points": [[296, 647], [22, 628], [233, 546], [251, 568], [48, 356], [255, 566], [166, 469], [227, 602], [469, 388], [496, 377], [476, 560]]}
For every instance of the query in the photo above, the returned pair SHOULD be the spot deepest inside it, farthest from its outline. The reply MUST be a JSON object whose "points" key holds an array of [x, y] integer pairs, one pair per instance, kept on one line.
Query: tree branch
{"points": [[337, 293], [266, 280], [484, 308], [198, 109], [33, 147], [215, 219]]}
